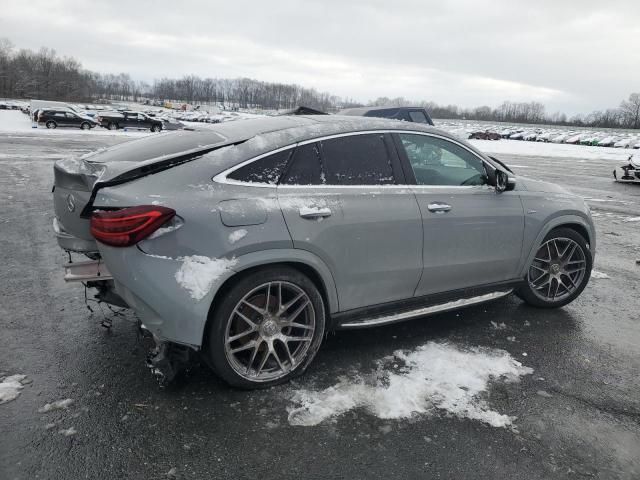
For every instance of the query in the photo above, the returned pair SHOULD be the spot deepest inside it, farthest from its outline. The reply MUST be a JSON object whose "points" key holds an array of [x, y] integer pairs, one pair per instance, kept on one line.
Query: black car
{"points": [[53, 118], [408, 114], [128, 119]]}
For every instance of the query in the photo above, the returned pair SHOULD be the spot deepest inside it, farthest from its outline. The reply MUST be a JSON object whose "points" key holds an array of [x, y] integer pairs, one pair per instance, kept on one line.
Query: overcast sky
{"points": [[572, 55]]}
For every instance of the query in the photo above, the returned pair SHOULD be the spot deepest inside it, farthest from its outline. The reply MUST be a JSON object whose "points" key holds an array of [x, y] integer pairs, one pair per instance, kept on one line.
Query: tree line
{"points": [[44, 74]]}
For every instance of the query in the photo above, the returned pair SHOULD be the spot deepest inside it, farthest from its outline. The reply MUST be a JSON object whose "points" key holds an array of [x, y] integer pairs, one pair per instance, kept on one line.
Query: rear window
{"points": [[264, 170], [305, 167], [357, 160], [418, 117]]}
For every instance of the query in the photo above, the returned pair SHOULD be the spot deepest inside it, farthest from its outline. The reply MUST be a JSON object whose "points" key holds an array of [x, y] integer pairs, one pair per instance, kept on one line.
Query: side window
{"points": [[59, 114], [417, 116], [305, 167], [357, 160], [264, 170], [436, 161]]}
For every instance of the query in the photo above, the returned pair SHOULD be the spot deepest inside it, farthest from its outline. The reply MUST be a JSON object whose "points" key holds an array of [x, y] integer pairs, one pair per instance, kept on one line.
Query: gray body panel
{"points": [[379, 244]]}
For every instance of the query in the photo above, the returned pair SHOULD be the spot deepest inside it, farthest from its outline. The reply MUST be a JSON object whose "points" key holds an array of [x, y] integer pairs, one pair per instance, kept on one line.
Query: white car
{"points": [[625, 143], [629, 173]]}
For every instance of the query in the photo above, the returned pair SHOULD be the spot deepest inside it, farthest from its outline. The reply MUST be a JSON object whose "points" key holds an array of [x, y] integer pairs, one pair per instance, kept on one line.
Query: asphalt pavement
{"points": [[577, 415]]}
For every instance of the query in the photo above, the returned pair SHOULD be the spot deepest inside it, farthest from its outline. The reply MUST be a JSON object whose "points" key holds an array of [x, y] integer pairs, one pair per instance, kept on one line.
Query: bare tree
{"points": [[631, 110]]}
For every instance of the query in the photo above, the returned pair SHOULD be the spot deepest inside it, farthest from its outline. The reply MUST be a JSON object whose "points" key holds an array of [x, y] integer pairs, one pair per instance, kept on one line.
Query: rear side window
{"points": [[305, 167], [357, 160], [264, 170], [418, 117]]}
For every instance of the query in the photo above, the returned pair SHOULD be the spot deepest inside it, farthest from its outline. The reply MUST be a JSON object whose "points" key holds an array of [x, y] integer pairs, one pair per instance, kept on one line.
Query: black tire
{"points": [[527, 293], [112, 126], [156, 128], [85, 126], [51, 124], [222, 314]]}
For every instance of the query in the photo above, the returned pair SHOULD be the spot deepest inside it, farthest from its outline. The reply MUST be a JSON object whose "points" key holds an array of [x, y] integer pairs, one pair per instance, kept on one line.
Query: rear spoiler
{"points": [[150, 168]]}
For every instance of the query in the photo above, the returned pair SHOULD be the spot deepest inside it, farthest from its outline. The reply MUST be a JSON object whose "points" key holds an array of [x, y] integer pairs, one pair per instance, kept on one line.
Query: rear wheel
{"points": [[559, 271], [267, 329], [51, 124], [113, 126]]}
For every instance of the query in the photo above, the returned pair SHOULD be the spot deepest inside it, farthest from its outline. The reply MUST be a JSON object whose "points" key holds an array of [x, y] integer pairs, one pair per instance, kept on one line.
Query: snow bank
{"points": [[198, 274], [432, 377], [10, 388]]}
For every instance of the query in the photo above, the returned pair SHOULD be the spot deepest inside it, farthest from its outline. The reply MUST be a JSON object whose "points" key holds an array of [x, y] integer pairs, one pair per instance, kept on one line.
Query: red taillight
{"points": [[126, 227]]}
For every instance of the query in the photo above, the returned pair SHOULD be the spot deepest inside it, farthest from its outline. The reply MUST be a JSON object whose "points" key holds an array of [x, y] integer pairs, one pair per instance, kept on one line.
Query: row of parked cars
{"points": [[61, 116], [599, 139]]}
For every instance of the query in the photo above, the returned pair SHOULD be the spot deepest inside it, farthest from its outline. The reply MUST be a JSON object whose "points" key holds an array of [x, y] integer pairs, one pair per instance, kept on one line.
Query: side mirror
{"points": [[504, 182]]}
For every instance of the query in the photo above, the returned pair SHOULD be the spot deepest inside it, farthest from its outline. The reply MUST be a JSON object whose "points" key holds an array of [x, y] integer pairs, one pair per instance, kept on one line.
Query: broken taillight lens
{"points": [[126, 227]]}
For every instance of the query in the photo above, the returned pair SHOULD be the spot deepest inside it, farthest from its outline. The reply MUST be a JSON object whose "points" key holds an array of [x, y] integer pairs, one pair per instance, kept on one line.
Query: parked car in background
{"points": [[629, 173], [54, 118], [169, 123], [129, 119], [408, 114], [273, 231]]}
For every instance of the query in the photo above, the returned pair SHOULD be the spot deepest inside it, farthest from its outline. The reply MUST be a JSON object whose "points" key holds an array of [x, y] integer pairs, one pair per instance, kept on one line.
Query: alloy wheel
{"points": [[558, 269], [270, 331]]}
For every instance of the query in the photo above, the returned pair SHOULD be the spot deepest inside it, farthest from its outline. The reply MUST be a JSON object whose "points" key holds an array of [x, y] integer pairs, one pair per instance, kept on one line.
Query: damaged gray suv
{"points": [[249, 241]]}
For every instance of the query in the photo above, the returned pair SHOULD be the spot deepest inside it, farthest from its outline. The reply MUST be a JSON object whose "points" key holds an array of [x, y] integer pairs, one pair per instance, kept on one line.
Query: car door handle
{"points": [[437, 207], [315, 212]]}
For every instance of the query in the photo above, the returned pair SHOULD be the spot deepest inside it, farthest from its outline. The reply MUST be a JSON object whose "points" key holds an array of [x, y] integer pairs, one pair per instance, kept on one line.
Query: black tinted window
{"points": [[264, 170], [305, 167], [357, 160], [418, 117]]}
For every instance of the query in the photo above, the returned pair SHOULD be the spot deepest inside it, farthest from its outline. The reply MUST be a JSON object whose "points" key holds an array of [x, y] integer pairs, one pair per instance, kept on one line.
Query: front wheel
{"points": [[559, 271], [113, 126], [267, 329], [51, 124], [156, 128], [85, 126]]}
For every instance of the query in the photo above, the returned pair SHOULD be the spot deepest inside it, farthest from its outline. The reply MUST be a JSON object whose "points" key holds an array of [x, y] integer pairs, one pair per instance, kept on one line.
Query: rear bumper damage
{"points": [[92, 270]]}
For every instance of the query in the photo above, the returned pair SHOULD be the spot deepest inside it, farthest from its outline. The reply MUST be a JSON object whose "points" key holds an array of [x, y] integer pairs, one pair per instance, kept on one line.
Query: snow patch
{"points": [[432, 377], [10, 388], [67, 432], [632, 219], [57, 405], [198, 273], [237, 235], [600, 275]]}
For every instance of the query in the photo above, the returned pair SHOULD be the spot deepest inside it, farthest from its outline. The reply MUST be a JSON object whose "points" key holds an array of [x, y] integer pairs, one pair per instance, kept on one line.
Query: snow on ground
{"points": [[10, 387], [198, 273], [57, 405], [561, 150], [599, 275], [14, 121], [433, 377]]}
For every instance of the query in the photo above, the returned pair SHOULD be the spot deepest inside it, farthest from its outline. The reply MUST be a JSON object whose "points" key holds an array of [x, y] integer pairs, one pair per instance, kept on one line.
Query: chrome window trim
{"points": [[222, 177]]}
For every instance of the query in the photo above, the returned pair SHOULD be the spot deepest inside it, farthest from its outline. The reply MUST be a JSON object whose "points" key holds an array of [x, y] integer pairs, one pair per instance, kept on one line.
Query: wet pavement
{"points": [[578, 414]]}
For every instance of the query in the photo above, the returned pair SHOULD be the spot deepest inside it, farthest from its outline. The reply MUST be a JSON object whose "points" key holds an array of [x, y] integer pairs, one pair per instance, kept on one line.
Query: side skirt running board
{"points": [[419, 312]]}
